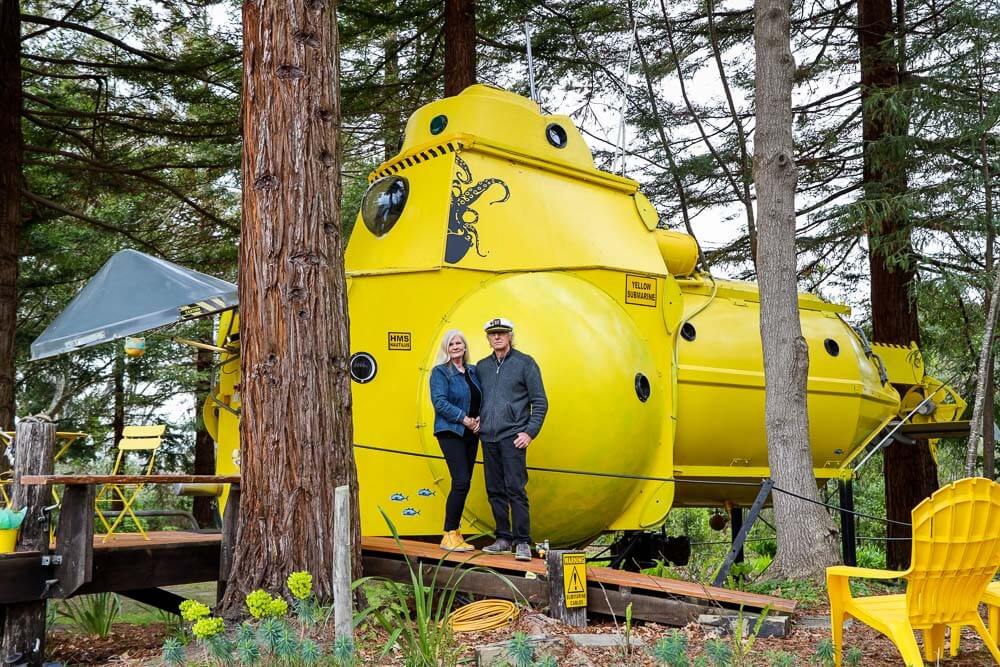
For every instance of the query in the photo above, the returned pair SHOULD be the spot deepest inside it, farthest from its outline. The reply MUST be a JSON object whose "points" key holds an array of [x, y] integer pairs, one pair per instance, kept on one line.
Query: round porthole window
{"points": [[642, 387], [688, 332], [832, 348], [384, 203], [556, 135], [363, 367], [438, 123]]}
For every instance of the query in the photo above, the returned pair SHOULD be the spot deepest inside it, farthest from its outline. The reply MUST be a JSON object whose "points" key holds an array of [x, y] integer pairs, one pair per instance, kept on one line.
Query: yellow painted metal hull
{"points": [[499, 222]]}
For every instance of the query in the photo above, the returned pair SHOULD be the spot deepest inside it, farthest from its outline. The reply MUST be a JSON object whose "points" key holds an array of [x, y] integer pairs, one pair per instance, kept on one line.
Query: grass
{"points": [[136, 613]]}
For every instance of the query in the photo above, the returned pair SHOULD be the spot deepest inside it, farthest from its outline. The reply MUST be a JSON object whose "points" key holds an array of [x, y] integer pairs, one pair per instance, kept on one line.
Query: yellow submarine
{"points": [[653, 370]]}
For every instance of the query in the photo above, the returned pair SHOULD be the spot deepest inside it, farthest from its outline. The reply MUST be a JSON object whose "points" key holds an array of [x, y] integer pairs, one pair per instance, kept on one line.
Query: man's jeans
{"points": [[506, 477]]}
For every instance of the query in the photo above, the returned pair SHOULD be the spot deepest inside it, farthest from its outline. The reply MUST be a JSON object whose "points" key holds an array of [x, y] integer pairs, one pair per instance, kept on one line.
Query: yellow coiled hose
{"points": [[482, 615]]}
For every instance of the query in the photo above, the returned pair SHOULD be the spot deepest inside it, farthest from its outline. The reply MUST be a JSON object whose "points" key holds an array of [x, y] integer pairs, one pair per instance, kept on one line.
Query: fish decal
{"points": [[409, 511], [462, 218], [426, 493], [398, 498]]}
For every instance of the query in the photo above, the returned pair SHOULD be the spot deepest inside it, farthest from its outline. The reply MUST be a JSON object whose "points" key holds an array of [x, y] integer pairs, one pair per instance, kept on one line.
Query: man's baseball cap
{"points": [[498, 324]]}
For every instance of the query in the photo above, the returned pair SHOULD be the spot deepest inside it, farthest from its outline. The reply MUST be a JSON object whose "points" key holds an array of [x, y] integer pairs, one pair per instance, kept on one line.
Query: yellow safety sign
{"points": [[575, 580]]}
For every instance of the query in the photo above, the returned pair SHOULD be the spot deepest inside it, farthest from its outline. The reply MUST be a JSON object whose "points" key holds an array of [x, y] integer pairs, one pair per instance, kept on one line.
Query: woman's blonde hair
{"points": [[443, 356]]}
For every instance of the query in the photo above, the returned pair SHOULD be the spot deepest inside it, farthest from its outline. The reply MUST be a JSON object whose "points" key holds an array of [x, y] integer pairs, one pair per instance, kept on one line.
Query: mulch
{"points": [[135, 645], [127, 644]]}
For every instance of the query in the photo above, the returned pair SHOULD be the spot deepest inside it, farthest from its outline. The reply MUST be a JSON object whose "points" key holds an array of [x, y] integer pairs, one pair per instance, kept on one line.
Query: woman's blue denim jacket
{"points": [[450, 396]]}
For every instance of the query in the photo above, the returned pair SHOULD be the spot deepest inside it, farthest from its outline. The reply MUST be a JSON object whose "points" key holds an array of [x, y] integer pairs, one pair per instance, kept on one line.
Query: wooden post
{"points": [[24, 630], [230, 524], [342, 611], [567, 586], [75, 540]]}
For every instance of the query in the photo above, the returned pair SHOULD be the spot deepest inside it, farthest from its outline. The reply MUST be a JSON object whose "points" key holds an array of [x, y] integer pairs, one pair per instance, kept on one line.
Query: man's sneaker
{"points": [[501, 546], [522, 551]]}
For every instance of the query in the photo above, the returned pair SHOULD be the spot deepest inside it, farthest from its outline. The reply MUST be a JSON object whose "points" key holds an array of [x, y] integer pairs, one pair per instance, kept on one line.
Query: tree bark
{"points": [[11, 150], [983, 381], [24, 627], [460, 45], [118, 405], [295, 430], [807, 537], [910, 470], [204, 446]]}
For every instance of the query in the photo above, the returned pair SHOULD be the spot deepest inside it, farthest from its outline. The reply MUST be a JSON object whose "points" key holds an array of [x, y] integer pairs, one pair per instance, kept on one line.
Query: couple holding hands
{"points": [[501, 401]]}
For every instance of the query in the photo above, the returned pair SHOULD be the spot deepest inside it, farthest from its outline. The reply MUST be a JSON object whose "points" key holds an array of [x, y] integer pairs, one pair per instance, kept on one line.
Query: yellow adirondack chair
{"points": [[991, 598], [956, 552], [134, 439]]}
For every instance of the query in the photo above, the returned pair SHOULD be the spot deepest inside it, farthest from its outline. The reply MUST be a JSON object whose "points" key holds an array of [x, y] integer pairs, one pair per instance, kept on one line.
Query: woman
{"points": [[457, 396]]}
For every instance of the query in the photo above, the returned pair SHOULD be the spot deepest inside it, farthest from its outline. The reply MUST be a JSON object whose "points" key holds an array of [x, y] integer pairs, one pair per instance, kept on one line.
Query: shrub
{"points": [[272, 638], [92, 614]]}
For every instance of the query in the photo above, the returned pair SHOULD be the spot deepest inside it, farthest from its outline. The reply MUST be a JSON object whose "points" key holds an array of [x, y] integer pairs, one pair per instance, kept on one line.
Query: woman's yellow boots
{"points": [[452, 541]]}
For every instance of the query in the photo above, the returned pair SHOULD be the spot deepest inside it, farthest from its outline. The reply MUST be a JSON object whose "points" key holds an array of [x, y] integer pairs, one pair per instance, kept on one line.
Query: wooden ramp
{"points": [[610, 591]]}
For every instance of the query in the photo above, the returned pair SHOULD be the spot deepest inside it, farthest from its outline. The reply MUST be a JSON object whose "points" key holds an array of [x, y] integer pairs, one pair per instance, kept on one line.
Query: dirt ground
{"points": [[135, 645]]}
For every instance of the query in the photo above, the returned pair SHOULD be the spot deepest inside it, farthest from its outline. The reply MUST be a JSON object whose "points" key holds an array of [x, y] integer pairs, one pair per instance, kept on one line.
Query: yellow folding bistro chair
{"points": [[6, 478], [956, 553], [134, 439]]}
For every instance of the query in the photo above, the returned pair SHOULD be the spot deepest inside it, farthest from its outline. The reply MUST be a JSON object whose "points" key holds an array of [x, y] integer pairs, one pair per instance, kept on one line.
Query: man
{"points": [[513, 409]]}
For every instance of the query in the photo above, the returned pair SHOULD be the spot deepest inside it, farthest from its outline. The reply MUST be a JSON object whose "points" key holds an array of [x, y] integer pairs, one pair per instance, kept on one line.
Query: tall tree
{"points": [[910, 471], [296, 432], [807, 538], [460, 45], [204, 446], [10, 198]]}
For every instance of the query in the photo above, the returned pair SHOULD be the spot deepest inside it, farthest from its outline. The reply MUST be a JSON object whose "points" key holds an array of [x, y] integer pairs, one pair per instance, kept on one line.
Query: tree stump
{"points": [[24, 630]]}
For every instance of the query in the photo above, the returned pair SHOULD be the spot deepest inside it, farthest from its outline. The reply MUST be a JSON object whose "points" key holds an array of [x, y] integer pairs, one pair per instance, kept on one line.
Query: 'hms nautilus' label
{"points": [[399, 340], [640, 290]]}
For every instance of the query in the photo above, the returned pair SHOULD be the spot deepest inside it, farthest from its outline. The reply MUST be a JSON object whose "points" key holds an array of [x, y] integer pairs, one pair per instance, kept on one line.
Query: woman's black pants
{"points": [[460, 453]]}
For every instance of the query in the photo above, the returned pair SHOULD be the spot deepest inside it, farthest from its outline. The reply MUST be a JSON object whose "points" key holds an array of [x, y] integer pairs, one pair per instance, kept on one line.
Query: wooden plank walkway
{"points": [[633, 580]]}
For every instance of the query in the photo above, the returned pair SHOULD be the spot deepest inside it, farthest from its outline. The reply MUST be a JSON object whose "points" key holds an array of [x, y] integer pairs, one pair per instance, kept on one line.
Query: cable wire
{"points": [[482, 615]]}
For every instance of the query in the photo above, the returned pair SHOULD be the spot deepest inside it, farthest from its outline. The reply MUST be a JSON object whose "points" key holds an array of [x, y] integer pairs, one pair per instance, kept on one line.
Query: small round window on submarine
{"points": [[688, 332], [438, 123], [383, 204], [363, 367], [556, 135], [642, 387], [832, 348]]}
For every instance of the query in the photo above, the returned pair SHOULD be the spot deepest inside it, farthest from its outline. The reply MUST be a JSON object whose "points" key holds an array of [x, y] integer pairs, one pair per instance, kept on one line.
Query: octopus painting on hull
{"points": [[462, 218]]}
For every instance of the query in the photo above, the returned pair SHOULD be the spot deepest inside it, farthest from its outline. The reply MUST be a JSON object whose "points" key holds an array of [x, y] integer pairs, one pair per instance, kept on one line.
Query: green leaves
{"points": [[92, 614]]}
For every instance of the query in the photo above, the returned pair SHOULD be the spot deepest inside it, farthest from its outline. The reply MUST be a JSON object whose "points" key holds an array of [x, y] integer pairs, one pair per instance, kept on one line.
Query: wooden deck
{"points": [[156, 539]]}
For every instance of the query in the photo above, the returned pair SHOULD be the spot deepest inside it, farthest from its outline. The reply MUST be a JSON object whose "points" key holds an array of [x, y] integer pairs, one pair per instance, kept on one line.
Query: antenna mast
{"points": [[531, 63]]}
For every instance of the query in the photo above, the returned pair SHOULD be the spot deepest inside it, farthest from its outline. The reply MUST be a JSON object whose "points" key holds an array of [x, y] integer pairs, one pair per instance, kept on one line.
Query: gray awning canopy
{"points": [[132, 293]]}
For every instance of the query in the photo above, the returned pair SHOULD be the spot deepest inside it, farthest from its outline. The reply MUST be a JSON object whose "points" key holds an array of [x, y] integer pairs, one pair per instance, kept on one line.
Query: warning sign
{"points": [[399, 340], [575, 580], [640, 290]]}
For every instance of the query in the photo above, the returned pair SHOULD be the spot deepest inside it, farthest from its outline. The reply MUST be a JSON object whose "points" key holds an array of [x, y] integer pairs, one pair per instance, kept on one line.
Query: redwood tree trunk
{"points": [[10, 200], [296, 422], [910, 470], [204, 446], [460, 45], [807, 538]]}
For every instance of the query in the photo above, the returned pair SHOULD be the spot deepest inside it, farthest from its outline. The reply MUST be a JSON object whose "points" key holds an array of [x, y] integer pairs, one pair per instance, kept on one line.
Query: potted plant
{"points": [[10, 522]]}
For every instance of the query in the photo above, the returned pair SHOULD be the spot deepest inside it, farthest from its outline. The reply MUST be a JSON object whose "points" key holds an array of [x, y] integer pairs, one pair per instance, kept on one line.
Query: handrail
{"points": [[82, 480]]}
